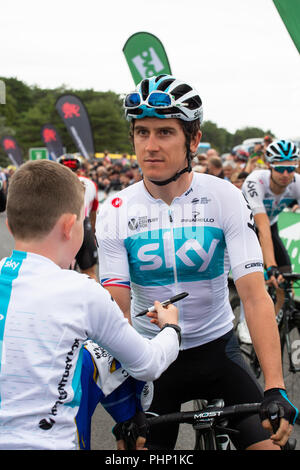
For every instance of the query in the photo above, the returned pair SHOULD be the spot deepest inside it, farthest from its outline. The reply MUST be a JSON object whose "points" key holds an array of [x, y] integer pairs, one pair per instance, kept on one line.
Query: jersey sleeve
{"points": [[142, 358], [112, 253], [253, 190], [242, 243]]}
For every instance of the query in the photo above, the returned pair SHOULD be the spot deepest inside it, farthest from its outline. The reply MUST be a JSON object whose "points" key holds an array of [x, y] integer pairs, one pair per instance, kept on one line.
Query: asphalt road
{"points": [[102, 423]]}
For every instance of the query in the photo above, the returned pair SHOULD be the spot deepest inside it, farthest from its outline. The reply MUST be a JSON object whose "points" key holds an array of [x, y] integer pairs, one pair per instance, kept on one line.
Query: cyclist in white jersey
{"points": [[268, 193], [86, 257], [47, 312], [180, 231]]}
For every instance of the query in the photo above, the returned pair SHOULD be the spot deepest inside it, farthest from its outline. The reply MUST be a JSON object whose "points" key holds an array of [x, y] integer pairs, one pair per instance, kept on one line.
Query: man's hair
{"points": [[38, 194]]}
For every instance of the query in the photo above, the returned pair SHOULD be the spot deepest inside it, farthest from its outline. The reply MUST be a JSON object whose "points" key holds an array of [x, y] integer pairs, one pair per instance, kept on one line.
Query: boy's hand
{"points": [[163, 315]]}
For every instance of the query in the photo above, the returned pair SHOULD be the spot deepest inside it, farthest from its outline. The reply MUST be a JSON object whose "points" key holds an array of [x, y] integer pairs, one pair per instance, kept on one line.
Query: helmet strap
{"points": [[177, 175]]}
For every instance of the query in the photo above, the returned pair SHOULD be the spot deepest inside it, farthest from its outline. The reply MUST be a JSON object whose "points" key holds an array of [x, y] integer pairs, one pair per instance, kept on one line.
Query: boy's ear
{"points": [[7, 225], [68, 222]]}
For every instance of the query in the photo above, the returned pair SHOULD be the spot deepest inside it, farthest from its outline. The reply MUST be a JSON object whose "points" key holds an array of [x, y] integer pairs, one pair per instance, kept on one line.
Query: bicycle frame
{"points": [[285, 322]]}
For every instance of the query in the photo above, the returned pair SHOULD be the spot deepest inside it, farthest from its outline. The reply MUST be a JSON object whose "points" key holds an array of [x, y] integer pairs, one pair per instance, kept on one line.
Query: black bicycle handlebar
{"points": [[217, 413], [207, 413], [291, 276]]}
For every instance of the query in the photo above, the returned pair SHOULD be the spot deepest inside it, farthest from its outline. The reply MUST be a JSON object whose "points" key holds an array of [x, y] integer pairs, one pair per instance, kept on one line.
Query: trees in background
{"points": [[28, 108]]}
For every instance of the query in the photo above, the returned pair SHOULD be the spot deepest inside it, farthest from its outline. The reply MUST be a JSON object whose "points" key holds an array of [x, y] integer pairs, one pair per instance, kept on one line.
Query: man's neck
{"points": [[168, 192]]}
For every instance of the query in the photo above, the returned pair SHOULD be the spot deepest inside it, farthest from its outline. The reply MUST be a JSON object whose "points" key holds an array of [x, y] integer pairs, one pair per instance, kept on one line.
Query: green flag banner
{"points": [[289, 231], [289, 10], [146, 56]]}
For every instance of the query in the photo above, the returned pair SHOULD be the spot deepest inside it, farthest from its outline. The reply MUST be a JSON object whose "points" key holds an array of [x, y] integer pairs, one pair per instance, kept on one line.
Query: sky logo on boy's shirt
{"points": [[11, 264]]}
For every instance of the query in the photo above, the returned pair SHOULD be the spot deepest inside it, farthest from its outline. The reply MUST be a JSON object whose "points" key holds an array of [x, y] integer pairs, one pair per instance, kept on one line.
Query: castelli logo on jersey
{"points": [[117, 202]]}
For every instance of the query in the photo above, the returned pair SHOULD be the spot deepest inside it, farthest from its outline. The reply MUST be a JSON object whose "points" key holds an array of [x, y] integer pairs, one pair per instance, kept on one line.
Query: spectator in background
{"points": [[241, 158], [136, 173], [212, 153], [239, 179], [2, 197], [267, 141], [215, 167], [228, 157], [106, 158], [229, 169], [125, 178], [200, 163], [125, 161], [256, 160], [114, 181], [3, 180]]}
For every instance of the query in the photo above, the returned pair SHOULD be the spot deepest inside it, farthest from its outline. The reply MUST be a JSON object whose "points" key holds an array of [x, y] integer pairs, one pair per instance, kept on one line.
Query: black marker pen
{"points": [[164, 303]]}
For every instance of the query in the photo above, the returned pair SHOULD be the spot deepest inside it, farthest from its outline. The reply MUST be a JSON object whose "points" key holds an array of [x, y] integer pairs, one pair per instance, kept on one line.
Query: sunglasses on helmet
{"points": [[282, 168], [156, 99]]}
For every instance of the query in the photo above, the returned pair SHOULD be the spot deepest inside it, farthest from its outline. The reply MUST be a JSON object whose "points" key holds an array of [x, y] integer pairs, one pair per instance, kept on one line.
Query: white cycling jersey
{"points": [[46, 315], [91, 201], [261, 199], [159, 250]]}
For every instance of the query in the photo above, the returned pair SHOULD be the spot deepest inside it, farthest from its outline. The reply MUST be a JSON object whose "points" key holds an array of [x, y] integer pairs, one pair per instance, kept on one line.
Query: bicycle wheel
{"points": [[290, 348]]}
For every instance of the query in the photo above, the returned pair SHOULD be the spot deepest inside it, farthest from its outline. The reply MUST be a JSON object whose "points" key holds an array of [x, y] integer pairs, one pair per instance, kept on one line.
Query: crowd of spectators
{"points": [[111, 174]]}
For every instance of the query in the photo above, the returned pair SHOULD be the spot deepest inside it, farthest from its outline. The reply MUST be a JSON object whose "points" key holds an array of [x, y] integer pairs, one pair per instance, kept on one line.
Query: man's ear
{"points": [[195, 141], [67, 223]]}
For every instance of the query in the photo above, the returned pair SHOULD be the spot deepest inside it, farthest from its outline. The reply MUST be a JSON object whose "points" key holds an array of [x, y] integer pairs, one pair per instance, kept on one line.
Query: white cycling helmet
{"points": [[282, 151], [164, 96]]}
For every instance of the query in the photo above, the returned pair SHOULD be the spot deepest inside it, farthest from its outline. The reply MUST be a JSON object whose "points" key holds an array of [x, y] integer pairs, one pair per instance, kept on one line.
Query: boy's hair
{"points": [[39, 193]]}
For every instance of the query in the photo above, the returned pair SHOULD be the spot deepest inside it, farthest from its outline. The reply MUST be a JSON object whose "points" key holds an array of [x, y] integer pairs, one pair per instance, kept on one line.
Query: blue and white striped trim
{"points": [[9, 272]]}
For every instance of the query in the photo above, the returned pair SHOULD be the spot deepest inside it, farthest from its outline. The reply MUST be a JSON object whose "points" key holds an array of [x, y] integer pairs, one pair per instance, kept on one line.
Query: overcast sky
{"points": [[237, 53]]}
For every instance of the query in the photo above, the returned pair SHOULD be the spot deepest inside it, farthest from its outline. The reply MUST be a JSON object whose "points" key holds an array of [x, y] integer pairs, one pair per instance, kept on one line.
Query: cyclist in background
{"points": [[268, 193], [87, 255], [174, 231]]}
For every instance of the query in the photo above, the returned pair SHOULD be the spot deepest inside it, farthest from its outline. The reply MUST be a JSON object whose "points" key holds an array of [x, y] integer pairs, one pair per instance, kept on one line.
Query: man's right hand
{"points": [[163, 315], [274, 276]]}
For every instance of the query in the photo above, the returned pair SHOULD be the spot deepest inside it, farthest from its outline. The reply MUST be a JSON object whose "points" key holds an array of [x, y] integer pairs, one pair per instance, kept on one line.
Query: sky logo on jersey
{"points": [[186, 257], [11, 264]]}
